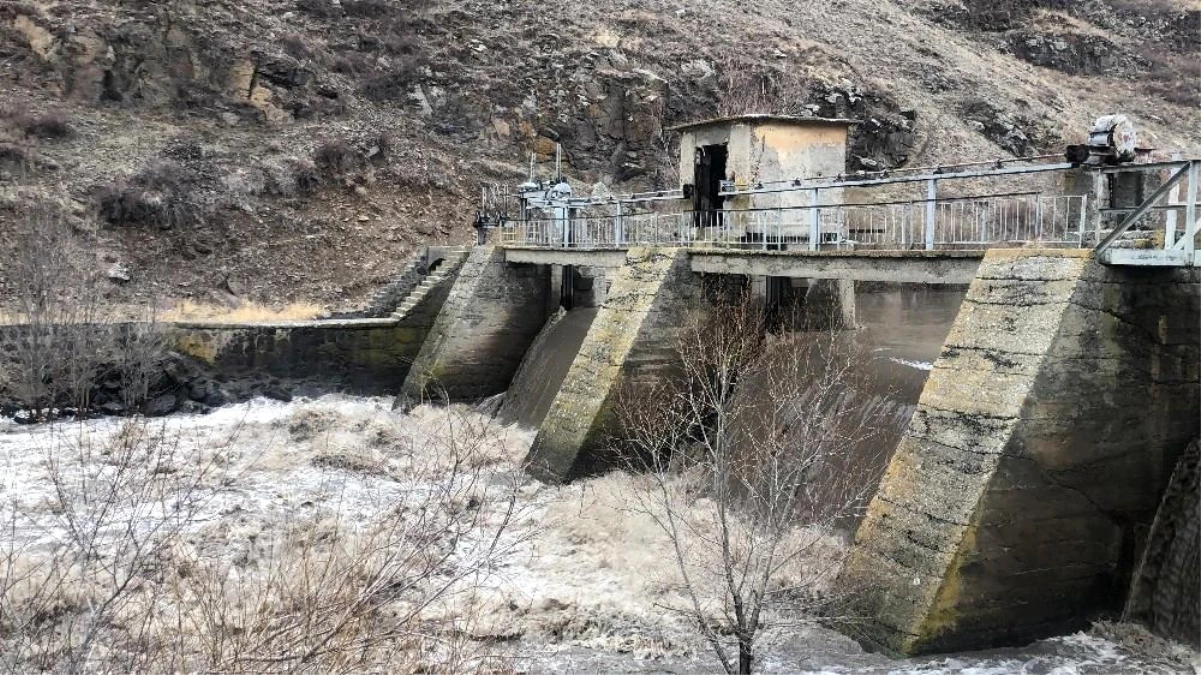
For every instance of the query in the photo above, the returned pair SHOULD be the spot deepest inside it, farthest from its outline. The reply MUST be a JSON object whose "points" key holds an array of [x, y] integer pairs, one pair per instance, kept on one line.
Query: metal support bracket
{"points": [[1145, 207]]}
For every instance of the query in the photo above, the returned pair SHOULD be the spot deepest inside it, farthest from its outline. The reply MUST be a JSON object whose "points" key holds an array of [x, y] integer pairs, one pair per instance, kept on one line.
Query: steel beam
{"points": [[1145, 207]]}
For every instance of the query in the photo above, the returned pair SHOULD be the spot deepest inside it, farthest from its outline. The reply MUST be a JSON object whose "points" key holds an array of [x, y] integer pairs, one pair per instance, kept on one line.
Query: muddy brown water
{"points": [[901, 331]]}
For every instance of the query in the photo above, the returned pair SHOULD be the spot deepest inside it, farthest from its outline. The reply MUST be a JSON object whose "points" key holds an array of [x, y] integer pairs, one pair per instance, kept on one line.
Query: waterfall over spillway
{"points": [[1167, 584], [545, 367]]}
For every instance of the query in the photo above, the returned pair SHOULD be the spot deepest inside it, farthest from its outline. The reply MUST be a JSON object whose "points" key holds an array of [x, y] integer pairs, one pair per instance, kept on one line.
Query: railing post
{"points": [[1083, 217], [1092, 209], [931, 211], [1038, 217], [1190, 210], [1169, 228], [619, 227], [815, 219]]}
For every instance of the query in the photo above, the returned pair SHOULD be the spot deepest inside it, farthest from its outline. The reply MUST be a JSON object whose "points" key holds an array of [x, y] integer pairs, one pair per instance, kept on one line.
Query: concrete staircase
{"points": [[446, 268]]}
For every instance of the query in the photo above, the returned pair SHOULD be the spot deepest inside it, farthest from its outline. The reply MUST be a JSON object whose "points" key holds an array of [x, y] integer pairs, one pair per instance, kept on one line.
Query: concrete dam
{"points": [[1033, 449]]}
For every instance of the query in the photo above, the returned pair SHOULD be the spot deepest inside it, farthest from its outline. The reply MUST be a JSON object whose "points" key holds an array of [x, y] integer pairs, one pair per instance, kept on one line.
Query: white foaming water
{"points": [[916, 365], [587, 574]]}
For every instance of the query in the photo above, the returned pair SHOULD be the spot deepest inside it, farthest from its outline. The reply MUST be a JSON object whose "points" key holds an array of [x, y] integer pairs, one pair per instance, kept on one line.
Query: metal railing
{"points": [[1004, 220]]}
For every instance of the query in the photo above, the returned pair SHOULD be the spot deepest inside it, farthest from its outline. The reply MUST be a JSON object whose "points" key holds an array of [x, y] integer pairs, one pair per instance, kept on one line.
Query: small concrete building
{"points": [[750, 150]]}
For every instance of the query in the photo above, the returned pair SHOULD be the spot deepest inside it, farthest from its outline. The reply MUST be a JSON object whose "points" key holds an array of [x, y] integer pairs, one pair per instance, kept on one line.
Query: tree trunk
{"points": [[744, 657]]}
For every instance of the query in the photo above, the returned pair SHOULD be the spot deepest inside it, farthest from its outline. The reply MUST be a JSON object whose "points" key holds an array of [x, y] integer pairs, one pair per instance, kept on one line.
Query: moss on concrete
{"points": [[1036, 455], [633, 325]]}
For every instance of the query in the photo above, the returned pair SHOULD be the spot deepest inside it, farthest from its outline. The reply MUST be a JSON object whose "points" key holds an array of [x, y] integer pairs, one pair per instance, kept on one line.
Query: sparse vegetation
{"points": [[747, 486], [63, 349], [245, 312], [160, 195]]}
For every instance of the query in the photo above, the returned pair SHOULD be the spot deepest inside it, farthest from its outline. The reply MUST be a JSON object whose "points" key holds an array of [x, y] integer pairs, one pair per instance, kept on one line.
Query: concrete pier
{"points": [[487, 323], [631, 336], [1018, 498]]}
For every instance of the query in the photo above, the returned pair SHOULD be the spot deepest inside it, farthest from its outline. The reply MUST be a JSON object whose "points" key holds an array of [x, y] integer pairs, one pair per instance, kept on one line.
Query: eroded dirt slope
{"points": [[298, 149]]}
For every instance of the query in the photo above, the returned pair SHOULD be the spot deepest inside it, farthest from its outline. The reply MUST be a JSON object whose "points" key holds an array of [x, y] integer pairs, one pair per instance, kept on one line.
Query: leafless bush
{"points": [[336, 158], [62, 344], [392, 86], [160, 195], [747, 449], [746, 88], [47, 126], [15, 158], [52, 125], [115, 576]]}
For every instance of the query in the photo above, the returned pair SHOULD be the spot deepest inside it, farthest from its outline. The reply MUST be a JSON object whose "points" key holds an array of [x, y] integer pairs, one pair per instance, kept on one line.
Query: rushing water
{"points": [[545, 367]]}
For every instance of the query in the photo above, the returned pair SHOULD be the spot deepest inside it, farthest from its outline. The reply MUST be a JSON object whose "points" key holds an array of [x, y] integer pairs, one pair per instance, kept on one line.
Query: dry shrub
{"points": [[15, 158], [368, 9], [322, 9], [65, 349], [48, 126], [247, 311], [999, 15], [746, 88], [145, 574], [160, 195], [337, 158], [393, 86]]}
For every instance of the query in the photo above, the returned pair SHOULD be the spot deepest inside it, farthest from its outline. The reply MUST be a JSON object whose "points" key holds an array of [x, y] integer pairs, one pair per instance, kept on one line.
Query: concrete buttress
{"points": [[492, 315], [631, 336], [1017, 500]]}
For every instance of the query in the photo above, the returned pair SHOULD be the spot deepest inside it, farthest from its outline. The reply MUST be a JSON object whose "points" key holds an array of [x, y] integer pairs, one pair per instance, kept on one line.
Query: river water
{"points": [[900, 334]]}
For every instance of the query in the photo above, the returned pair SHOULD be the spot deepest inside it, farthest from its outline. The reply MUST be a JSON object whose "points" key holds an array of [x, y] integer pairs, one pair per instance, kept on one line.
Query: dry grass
{"points": [[246, 312], [191, 310]]}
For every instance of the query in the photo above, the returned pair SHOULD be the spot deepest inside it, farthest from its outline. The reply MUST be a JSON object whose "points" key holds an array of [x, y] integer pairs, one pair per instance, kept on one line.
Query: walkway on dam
{"points": [[921, 267]]}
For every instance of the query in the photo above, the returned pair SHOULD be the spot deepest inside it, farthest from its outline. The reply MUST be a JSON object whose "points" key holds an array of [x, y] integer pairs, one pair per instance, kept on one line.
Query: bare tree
{"points": [[64, 339], [747, 449], [110, 577]]}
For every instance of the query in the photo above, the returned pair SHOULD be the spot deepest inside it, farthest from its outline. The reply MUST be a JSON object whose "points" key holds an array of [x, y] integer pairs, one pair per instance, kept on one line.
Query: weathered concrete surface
{"points": [[537, 256], [830, 304], [924, 267], [493, 313], [631, 336], [363, 356], [1018, 497]]}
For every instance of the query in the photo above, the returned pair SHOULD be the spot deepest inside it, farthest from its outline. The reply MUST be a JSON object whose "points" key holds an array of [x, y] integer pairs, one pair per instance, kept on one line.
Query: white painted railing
{"points": [[922, 224]]}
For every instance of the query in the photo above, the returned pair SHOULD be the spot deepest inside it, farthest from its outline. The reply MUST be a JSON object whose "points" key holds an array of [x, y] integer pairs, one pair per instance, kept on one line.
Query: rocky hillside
{"points": [[297, 149]]}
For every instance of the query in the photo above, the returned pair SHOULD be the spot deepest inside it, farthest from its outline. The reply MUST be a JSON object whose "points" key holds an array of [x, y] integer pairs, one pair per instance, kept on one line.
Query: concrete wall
{"points": [[492, 315], [363, 356], [772, 150], [1018, 498], [631, 336]]}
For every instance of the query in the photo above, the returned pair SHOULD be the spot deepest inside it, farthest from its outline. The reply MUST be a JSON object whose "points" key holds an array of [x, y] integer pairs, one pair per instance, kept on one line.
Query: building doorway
{"points": [[708, 173]]}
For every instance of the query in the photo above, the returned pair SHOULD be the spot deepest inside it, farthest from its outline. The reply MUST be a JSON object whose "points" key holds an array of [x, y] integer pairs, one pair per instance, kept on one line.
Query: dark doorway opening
{"points": [[567, 288], [708, 173]]}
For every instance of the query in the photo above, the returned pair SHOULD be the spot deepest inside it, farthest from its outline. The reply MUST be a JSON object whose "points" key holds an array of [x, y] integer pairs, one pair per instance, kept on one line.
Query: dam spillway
{"points": [[1056, 405]]}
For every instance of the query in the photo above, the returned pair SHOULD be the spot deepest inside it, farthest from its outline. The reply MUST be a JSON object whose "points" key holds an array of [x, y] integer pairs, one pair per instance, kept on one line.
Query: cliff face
{"points": [[287, 149]]}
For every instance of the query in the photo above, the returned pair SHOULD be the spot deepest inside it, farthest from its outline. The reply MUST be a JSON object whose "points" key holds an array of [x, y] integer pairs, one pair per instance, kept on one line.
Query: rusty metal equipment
{"points": [[1112, 140]]}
